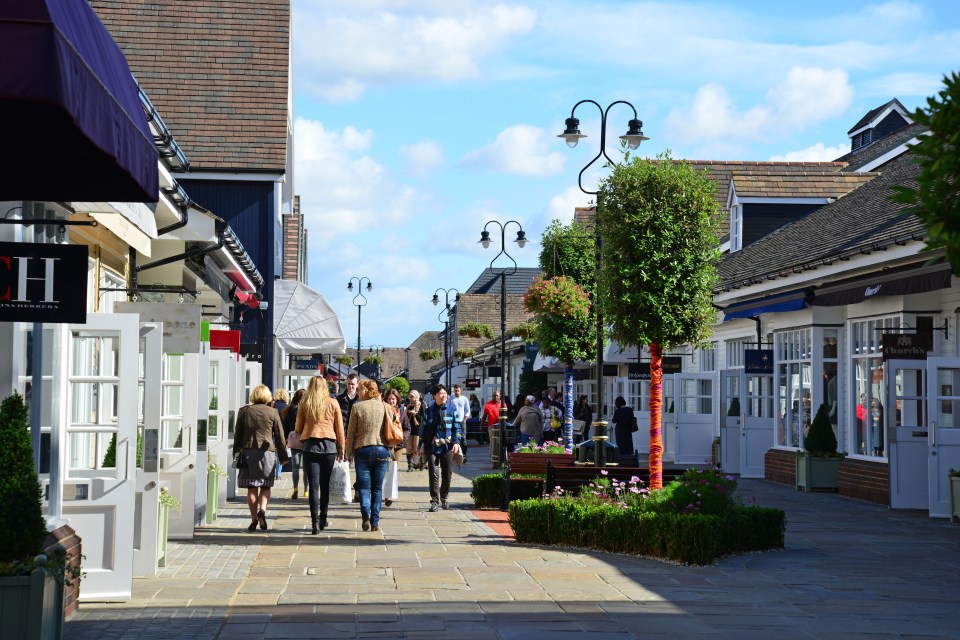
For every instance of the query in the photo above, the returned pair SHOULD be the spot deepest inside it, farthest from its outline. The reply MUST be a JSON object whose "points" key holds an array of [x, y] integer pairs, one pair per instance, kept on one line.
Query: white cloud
{"points": [[901, 85], [520, 149], [343, 191], [806, 97], [562, 205], [422, 157], [344, 49], [815, 153]]}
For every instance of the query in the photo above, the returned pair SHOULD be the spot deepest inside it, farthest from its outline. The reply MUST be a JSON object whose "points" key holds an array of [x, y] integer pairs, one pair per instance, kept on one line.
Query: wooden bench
{"points": [[571, 478], [530, 465]]}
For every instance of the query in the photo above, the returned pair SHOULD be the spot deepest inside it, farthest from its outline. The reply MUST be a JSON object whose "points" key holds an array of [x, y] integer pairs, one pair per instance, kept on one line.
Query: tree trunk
{"points": [[656, 416], [568, 407]]}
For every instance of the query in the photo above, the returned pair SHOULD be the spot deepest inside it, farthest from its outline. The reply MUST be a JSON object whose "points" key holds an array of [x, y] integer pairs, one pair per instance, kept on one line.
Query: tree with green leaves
{"points": [[659, 224], [936, 198], [568, 334], [401, 384]]}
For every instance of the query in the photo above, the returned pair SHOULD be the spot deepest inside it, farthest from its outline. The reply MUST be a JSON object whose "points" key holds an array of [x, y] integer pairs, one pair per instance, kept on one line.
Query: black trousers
{"points": [[318, 467]]}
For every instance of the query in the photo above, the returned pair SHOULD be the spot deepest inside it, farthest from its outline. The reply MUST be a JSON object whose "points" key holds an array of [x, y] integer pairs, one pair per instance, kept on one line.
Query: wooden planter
{"points": [[816, 473], [557, 458], [213, 493], [954, 498], [31, 606]]}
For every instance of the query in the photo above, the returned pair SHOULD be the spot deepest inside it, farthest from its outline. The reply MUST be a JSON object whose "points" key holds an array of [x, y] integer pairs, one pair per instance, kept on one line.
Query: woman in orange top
{"points": [[320, 425]]}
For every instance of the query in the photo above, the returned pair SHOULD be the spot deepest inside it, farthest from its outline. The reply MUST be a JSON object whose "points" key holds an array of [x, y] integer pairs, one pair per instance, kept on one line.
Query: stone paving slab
{"points": [[850, 570]]}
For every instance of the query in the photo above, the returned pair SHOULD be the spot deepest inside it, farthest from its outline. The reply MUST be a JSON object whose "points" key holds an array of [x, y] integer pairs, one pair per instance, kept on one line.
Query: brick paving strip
{"points": [[851, 570]]}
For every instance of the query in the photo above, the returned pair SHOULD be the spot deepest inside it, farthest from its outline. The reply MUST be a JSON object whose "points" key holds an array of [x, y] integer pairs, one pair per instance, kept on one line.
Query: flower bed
{"points": [[693, 520], [487, 492]]}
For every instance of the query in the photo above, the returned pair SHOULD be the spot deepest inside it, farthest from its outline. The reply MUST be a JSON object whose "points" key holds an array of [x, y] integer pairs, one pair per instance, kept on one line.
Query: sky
{"points": [[417, 122]]}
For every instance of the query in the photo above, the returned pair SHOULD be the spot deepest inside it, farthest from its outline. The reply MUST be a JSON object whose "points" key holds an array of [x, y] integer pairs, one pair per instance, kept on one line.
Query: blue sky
{"points": [[417, 121]]}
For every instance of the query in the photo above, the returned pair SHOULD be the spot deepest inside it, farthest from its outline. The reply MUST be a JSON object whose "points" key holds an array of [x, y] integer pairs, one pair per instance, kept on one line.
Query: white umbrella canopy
{"points": [[303, 322]]}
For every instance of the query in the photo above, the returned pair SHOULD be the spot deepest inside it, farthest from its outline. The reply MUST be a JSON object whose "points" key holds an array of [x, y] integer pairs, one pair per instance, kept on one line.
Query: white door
{"points": [[148, 442], [758, 423], [178, 438], [101, 449], [218, 444], [668, 418], [694, 426], [943, 390], [638, 398], [731, 419], [907, 433], [236, 388]]}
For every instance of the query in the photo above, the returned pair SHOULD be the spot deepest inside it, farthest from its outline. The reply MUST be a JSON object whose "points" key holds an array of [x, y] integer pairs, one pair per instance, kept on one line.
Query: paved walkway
{"points": [[851, 570]]}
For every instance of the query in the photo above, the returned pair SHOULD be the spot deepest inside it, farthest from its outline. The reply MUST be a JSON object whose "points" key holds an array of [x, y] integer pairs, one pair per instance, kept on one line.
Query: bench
{"points": [[571, 478], [530, 465]]}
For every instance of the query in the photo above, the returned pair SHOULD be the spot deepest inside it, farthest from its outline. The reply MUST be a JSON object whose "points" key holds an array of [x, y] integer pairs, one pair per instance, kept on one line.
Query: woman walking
{"points": [[391, 398], [412, 420], [623, 426], [258, 434], [296, 451], [366, 449], [529, 420], [320, 425]]}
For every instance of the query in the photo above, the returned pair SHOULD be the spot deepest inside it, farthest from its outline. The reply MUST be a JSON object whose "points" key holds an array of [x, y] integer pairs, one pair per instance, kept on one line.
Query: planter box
{"points": [[163, 527], [213, 491], [815, 473], [31, 607], [954, 498]]}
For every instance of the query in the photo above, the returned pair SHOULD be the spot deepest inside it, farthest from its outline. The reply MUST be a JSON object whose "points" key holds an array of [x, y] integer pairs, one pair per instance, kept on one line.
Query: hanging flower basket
{"points": [[476, 330], [524, 331], [430, 354], [343, 359], [377, 360], [463, 354], [559, 295]]}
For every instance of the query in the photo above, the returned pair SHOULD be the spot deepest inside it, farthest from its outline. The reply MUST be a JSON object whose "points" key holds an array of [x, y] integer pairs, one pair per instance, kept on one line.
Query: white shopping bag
{"points": [[391, 481], [340, 488]]}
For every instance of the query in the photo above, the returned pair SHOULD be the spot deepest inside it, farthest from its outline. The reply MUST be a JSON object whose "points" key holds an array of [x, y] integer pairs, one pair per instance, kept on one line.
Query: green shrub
{"points": [[487, 489], [703, 491], [23, 528], [820, 440], [401, 384]]}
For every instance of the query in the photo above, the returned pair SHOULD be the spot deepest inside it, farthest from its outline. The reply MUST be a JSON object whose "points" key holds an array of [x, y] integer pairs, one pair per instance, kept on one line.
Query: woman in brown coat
{"points": [[258, 434], [320, 425], [366, 449]]}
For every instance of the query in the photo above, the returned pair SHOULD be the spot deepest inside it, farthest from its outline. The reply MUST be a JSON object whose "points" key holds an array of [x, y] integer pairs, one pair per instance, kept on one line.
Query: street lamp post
{"points": [[521, 240], [378, 348], [446, 326], [633, 137], [359, 301]]}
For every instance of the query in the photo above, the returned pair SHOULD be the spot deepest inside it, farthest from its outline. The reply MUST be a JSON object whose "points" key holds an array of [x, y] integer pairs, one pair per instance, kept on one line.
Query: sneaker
{"points": [[444, 504], [434, 507], [387, 503]]}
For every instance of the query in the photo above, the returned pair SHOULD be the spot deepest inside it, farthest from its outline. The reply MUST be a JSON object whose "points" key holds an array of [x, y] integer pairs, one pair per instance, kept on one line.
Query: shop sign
{"points": [[471, 383], [641, 370], [758, 360], [306, 365], [906, 346], [43, 282], [252, 351], [581, 374], [181, 323]]}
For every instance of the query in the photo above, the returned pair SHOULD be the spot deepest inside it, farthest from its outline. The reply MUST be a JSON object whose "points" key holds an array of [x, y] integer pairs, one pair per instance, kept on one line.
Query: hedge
{"points": [[488, 489], [688, 539]]}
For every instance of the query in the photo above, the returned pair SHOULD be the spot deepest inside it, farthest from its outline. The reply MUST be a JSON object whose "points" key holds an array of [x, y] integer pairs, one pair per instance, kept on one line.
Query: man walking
{"points": [[491, 414], [461, 411], [441, 439]]}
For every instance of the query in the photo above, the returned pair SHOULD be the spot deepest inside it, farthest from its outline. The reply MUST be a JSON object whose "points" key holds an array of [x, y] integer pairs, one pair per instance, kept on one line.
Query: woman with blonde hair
{"points": [[391, 398], [367, 450], [320, 426], [257, 437]]}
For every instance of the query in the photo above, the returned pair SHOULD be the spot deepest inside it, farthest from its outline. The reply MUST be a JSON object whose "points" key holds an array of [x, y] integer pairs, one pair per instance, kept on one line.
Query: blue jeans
{"points": [[371, 466]]}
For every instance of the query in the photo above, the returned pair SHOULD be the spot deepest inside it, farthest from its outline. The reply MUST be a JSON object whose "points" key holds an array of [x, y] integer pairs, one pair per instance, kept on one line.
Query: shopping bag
{"points": [[340, 482], [391, 481]]}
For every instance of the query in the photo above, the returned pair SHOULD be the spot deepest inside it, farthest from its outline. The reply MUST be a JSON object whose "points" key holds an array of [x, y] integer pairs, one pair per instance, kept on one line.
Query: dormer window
{"points": [[862, 139], [878, 123]]}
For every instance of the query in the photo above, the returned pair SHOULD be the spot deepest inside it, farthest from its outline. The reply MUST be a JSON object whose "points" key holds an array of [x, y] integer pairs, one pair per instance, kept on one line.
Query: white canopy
{"points": [[303, 322]]}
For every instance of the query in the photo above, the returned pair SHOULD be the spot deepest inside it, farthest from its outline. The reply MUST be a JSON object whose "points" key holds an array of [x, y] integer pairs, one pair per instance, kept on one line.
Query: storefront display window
{"points": [[867, 430], [794, 355], [829, 344]]}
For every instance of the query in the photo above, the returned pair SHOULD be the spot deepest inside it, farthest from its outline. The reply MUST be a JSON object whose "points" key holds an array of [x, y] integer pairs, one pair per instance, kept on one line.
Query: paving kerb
{"points": [[850, 569]]}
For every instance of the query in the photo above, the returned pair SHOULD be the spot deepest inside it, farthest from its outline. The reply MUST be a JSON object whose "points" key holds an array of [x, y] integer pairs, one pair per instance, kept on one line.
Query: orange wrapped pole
{"points": [[656, 416]]}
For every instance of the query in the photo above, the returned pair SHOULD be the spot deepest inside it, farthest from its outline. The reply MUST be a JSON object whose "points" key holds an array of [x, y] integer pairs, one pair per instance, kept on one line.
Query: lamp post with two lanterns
{"points": [[359, 301], [633, 137], [446, 326], [521, 241]]}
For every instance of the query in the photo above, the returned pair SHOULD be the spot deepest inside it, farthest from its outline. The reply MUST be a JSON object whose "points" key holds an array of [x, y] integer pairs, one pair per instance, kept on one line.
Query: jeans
{"points": [[371, 466], [317, 468], [296, 456], [440, 472]]}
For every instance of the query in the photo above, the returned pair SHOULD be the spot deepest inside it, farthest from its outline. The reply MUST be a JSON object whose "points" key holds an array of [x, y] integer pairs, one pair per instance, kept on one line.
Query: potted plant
{"points": [[214, 473], [524, 331], [31, 582], [373, 359], [953, 477], [463, 353], [343, 359], [430, 354], [476, 330], [167, 502], [818, 463]]}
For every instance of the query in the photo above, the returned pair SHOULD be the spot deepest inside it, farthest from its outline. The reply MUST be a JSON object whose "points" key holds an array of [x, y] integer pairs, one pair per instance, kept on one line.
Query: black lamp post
{"points": [[446, 326], [359, 301], [521, 240], [633, 137], [378, 348]]}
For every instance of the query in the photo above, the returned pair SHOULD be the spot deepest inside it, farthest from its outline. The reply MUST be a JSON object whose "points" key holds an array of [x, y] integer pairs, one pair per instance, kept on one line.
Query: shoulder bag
{"points": [[392, 432]]}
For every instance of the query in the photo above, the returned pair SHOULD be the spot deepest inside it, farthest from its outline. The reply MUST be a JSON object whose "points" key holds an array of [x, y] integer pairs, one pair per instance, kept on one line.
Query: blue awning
{"points": [[70, 115], [779, 303]]}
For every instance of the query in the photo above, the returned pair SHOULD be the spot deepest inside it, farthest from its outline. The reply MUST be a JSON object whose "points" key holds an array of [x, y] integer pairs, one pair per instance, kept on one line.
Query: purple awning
{"points": [[70, 114]]}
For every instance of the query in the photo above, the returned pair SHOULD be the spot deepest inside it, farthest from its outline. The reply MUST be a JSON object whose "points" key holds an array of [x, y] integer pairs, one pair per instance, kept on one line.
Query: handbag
{"points": [[392, 431], [391, 481], [240, 460], [293, 441], [340, 488]]}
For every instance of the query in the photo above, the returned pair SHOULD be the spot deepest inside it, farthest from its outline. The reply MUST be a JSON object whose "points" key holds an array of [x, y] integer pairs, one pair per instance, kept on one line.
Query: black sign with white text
{"points": [[43, 282], [252, 351], [907, 346], [641, 370], [758, 360]]}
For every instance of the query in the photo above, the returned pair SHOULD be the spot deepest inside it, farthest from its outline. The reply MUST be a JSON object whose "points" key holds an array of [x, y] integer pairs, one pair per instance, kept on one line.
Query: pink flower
{"points": [[604, 472]]}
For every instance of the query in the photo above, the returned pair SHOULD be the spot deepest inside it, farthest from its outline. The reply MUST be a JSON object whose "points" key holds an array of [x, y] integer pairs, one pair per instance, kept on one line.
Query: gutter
{"points": [[135, 269]]}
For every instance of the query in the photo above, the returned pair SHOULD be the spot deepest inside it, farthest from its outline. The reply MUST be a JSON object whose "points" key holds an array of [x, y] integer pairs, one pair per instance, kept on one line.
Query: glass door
{"points": [[758, 424], [694, 426], [907, 428], [145, 550], [731, 419], [943, 436]]}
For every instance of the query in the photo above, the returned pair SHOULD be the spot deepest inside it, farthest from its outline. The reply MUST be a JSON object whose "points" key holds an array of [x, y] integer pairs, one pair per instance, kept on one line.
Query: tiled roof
{"points": [[865, 155], [812, 184], [217, 71], [517, 283], [865, 220]]}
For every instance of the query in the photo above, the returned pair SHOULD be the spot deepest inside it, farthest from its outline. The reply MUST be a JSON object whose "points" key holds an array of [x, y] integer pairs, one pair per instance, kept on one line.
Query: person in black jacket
{"points": [[440, 442], [348, 398], [623, 423]]}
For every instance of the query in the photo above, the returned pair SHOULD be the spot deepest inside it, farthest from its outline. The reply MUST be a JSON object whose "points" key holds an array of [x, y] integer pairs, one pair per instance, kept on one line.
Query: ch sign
{"points": [[43, 282]]}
